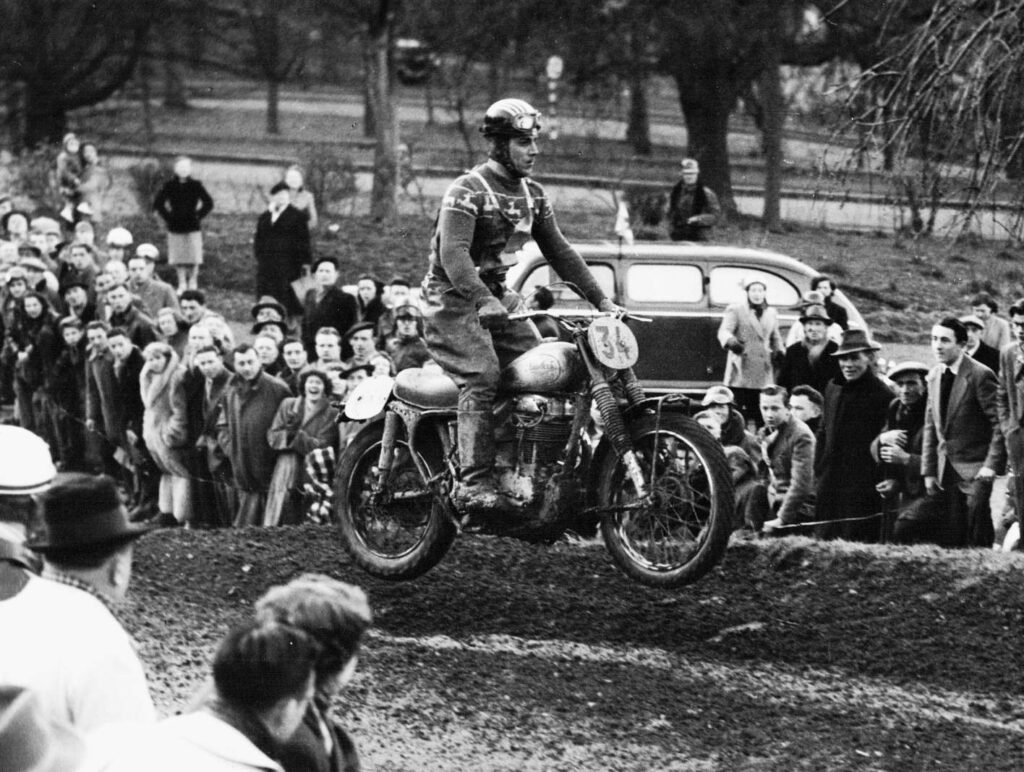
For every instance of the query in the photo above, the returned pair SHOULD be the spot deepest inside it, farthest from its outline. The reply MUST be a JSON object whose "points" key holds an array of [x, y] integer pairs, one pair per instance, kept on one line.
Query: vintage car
{"points": [[684, 288]]}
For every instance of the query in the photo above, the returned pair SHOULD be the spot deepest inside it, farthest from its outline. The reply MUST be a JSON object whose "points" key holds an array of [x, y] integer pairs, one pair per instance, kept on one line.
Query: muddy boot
{"points": [[477, 492]]}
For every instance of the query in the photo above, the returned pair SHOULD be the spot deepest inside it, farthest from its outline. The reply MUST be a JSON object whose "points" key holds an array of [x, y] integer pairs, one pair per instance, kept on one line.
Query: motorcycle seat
{"points": [[429, 389]]}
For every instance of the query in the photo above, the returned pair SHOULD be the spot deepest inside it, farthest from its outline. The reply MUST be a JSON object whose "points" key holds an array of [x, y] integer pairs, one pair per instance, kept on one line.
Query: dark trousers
{"points": [[749, 403], [958, 516]]}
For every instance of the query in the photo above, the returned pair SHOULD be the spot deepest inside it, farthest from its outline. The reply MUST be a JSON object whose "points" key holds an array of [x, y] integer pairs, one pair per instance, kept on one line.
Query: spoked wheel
{"points": [[681, 530], [406, 532]]}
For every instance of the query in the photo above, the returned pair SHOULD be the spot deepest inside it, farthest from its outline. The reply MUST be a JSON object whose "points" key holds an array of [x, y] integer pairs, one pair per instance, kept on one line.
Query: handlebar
{"points": [[581, 313]]}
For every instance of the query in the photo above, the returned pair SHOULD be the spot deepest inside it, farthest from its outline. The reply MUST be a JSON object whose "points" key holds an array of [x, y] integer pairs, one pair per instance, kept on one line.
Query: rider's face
{"points": [[522, 152]]}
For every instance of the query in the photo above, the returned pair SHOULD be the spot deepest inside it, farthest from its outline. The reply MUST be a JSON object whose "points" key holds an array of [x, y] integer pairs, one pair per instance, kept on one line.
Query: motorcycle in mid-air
{"points": [[655, 482]]}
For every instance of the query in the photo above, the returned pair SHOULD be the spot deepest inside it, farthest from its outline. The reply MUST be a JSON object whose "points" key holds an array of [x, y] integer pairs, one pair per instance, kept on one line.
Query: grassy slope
{"points": [[900, 285]]}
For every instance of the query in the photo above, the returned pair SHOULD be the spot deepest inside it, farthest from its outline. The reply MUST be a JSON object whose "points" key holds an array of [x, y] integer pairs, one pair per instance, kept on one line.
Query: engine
{"points": [[532, 441]]}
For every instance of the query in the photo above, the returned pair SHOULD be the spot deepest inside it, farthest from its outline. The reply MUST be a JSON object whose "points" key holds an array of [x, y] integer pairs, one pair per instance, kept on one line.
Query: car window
{"points": [[727, 286], [664, 283], [542, 275]]}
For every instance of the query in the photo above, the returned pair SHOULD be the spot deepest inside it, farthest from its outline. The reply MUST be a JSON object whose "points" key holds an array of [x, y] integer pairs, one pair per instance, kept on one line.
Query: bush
{"points": [[35, 178], [148, 176], [330, 177]]}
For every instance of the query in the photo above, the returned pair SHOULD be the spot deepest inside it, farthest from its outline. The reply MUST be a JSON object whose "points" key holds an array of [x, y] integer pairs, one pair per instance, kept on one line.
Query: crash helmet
{"points": [[25, 463], [119, 237], [511, 118]]}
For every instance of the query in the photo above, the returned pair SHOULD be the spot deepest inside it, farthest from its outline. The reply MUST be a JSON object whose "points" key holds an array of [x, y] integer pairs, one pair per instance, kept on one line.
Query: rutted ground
{"points": [[792, 655]]}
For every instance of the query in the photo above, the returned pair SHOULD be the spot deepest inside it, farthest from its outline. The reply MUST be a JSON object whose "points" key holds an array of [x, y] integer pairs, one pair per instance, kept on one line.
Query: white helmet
{"points": [[25, 463], [119, 237]]}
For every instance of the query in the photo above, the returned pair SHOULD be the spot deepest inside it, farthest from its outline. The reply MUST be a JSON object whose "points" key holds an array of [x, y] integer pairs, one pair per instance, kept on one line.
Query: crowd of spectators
{"points": [[824, 437], [201, 423]]}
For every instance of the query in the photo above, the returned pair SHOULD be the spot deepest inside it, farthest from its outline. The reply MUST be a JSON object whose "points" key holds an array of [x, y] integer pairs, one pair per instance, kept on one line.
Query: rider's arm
{"points": [[456, 234], [566, 261]]}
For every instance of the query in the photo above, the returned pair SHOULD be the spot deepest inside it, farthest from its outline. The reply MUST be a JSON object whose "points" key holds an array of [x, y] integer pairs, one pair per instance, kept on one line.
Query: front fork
{"points": [[614, 425]]}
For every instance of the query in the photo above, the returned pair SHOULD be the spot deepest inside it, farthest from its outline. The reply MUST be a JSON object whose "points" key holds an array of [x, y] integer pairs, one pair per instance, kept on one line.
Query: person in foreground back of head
{"points": [[263, 676], [58, 635], [335, 615]]}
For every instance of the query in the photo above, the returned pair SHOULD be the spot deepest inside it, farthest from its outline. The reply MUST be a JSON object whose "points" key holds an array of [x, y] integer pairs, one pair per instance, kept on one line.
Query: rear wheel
{"points": [[681, 531], [406, 532]]}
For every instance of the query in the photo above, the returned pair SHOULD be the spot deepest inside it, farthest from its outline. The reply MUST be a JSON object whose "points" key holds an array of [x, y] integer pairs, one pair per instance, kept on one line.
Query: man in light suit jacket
{"points": [[1008, 399], [963, 448], [750, 333]]}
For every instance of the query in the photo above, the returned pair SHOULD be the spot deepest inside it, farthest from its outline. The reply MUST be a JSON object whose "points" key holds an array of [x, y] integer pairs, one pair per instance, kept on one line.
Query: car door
{"points": [[675, 348]]}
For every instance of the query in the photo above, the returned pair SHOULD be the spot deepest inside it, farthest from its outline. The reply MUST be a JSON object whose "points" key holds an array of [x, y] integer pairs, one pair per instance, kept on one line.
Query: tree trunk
{"points": [[369, 117], [638, 131], [774, 114], [45, 118], [273, 98], [175, 96], [144, 75], [380, 87], [707, 111]]}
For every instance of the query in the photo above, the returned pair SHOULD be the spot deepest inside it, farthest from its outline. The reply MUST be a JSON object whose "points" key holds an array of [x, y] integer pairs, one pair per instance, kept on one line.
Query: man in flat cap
{"points": [[693, 209]]}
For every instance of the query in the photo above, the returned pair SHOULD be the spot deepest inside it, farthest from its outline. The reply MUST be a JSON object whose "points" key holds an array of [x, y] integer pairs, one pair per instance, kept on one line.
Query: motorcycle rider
{"points": [[486, 216]]}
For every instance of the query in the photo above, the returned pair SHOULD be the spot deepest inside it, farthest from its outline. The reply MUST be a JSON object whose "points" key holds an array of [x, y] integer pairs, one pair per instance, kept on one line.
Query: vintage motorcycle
{"points": [[657, 484]]}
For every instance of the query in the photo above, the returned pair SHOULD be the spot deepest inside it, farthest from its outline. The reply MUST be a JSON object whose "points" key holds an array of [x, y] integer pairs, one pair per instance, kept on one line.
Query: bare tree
{"points": [[58, 55]]}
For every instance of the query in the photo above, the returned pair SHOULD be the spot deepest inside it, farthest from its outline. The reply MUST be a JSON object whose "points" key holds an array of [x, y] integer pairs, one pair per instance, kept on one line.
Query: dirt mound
{"points": [[792, 654]]}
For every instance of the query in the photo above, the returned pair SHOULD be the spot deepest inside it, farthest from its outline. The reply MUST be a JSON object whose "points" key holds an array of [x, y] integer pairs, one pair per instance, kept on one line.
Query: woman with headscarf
{"points": [[164, 430], [302, 425], [33, 342]]}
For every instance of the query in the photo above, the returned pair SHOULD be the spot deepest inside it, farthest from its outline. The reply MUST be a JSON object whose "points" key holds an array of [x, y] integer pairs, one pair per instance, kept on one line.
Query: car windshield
{"points": [[727, 286]]}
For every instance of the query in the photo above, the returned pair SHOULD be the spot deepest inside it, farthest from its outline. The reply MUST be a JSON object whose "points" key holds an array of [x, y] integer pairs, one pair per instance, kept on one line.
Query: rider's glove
{"points": [[608, 306], [493, 315]]}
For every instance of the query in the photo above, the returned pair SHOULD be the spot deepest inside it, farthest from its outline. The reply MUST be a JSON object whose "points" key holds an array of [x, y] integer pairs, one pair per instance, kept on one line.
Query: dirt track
{"points": [[792, 655]]}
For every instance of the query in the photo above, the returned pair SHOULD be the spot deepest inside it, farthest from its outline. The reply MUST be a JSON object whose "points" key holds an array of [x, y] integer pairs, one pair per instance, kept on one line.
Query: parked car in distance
{"points": [[684, 288], [414, 61]]}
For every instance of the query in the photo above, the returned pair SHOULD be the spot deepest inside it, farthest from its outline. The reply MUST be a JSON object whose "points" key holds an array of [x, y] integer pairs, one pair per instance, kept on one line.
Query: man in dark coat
{"points": [[66, 386], [977, 349], [963, 448], [250, 404], [281, 247], [128, 363], [215, 494], [327, 305], [855, 410], [123, 314], [406, 347], [809, 361], [827, 287], [693, 209], [898, 447]]}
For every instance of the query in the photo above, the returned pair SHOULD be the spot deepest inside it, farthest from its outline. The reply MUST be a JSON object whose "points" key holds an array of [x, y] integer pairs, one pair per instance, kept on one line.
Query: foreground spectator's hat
{"points": [[83, 513], [690, 165], [29, 250], [31, 741], [906, 368], [148, 251], [25, 464], [32, 264], [718, 395], [408, 311], [119, 237], [268, 302], [972, 320], [16, 272], [812, 298], [45, 225], [358, 327], [815, 314], [368, 369], [855, 340]]}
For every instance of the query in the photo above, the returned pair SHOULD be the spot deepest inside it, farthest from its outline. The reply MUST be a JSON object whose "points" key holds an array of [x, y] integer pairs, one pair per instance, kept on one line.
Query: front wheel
{"points": [[681, 530], [407, 531]]}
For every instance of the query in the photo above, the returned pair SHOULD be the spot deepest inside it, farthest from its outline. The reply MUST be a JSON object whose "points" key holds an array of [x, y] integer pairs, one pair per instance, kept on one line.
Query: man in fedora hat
{"points": [[898, 448], [855, 411], [963, 448], [60, 638], [809, 361], [693, 209]]}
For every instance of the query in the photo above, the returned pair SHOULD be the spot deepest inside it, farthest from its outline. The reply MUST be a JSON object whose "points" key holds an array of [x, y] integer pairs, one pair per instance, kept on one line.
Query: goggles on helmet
{"points": [[526, 122]]}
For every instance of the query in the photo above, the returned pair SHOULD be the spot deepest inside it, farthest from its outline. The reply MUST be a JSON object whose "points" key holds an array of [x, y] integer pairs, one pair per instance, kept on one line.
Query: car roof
{"points": [[683, 251]]}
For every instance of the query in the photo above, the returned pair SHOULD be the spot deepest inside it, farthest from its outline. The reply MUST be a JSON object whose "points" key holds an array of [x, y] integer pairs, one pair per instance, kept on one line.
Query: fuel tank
{"points": [[551, 366]]}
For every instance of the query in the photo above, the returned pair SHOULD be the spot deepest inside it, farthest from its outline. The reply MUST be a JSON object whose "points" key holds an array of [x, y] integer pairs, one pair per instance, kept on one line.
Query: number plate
{"points": [[613, 343]]}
